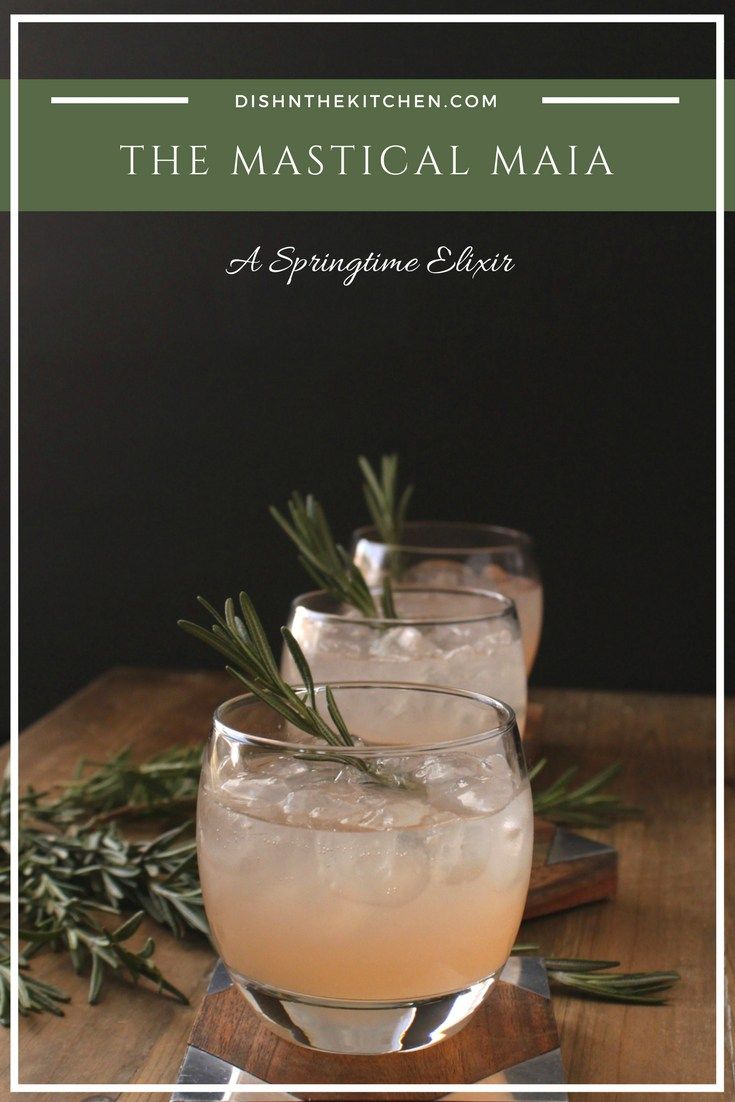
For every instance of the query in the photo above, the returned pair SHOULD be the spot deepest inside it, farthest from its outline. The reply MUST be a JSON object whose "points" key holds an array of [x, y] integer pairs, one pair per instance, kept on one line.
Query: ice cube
{"points": [[318, 637], [402, 644], [492, 641], [437, 572], [315, 807], [511, 843], [443, 769], [459, 851], [351, 804], [481, 787], [383, 869], [513, 834], [244, 792], [400, 813], [263, 786]]}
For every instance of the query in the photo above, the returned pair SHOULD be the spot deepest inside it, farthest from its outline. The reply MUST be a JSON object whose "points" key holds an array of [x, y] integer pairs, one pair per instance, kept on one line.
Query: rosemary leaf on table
{"points": [[594, 979], [586, 805], [588, 978], [73, 881], [34, 996], [164, 785]]}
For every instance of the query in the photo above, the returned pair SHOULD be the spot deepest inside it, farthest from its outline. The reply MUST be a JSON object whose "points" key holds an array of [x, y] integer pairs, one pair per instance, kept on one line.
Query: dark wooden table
{"points": [[663, 916]]}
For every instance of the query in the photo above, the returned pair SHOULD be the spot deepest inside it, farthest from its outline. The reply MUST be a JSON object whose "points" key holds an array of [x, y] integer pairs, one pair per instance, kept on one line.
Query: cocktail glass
{"points": [[459, 638], [365, 898], [453, 554]]}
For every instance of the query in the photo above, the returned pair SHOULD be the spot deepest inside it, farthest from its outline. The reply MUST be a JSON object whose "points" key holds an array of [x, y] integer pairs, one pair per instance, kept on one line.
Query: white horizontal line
{"points": [[609, 99], [364, 18], [119, 99]]}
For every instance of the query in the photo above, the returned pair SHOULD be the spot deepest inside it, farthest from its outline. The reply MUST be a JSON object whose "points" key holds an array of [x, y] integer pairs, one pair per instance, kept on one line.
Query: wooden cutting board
{"points": [[512, 1038]]}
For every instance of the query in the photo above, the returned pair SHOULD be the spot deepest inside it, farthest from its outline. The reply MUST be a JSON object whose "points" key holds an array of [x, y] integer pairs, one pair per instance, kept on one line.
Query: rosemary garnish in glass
{"points": [[386, 505], [322, 558], [242, 640]]}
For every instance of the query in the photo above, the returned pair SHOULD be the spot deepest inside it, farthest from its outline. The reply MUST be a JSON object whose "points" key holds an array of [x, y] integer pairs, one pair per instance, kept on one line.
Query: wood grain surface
{"points": [[663, 916]]}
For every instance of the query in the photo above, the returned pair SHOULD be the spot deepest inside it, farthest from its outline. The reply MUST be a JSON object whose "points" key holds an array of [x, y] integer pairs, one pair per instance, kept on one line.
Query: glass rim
{"points": [[378, 622], [327, 751], [514, 536]]}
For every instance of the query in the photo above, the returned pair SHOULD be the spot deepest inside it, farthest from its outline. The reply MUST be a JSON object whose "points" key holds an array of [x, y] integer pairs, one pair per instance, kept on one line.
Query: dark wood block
{"points": [[568, 870]]}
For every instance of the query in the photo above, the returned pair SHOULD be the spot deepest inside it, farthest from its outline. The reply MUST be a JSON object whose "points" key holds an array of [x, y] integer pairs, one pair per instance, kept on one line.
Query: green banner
{"points": [[367, 145]]}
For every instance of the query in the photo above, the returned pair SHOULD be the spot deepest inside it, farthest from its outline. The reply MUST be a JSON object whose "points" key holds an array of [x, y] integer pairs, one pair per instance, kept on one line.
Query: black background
{"points": [[164, 405]]}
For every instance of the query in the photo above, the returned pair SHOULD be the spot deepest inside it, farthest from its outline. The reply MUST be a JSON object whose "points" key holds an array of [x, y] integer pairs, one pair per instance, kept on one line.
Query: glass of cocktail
{"points": [[364, 898], [459, 638], [453, 554]]}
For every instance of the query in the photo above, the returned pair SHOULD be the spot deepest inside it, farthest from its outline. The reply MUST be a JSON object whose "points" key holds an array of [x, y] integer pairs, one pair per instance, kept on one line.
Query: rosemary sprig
{"points": [[120, 788], [34, 996], [242, 640], [70, 877], [591, 977], [386, 505], [388, 511], [594, 979], [322, 558], [585, 805]]}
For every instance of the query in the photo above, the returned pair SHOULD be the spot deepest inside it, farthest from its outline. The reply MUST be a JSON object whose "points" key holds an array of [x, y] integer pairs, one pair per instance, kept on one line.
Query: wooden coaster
{"points": [[568, 870], [511, 1038]]}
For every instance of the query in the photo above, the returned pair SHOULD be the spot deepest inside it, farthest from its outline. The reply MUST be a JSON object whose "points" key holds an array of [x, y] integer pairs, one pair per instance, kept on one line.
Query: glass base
{"points": [[363, 1028]]}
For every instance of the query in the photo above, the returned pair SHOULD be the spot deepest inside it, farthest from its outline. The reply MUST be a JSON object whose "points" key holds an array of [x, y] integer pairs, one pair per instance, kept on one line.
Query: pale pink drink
{"points": [[441, 555], [458, 638], [359, 914]]}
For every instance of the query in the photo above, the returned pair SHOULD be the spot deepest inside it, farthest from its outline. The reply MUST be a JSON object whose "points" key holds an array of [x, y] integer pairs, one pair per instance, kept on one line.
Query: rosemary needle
{"points": [[586, 805], [594, 978], [386, 505]]}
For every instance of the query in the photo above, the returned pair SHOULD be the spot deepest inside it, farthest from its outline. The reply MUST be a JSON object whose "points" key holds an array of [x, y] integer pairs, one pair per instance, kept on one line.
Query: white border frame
{"points": [[597, 1088]]}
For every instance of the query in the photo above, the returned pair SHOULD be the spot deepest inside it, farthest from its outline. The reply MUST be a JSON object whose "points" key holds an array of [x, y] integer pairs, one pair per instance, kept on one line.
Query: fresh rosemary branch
{"points": [[590, 977], [593, 978], [242, 640], [586, 805], [34, 996], [324, 560], [66, 878], [327, 562], [386, 506], [121, 788], [69, 878]]}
